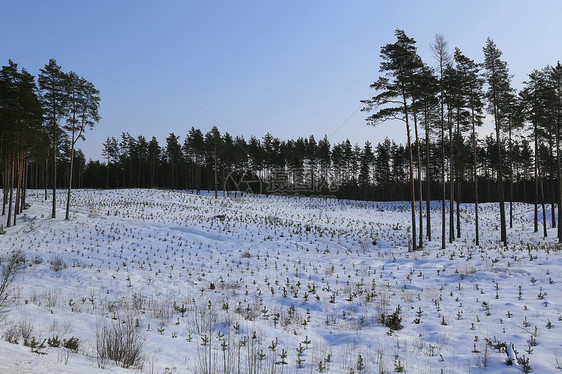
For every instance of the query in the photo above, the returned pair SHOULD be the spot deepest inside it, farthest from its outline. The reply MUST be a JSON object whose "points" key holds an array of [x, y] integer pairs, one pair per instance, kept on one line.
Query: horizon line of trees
{"points": [[342, 170]]}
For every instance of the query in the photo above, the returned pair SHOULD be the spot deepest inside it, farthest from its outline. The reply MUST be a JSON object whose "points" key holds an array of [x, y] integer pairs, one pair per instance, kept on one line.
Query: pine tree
{"points": [[174, 158], [383, 174], [498, 79], [111, 153], [472, 86], [533, 98], [429, 88], [441, 54], [153, 160], [394, 98], [555, 86], [367, 159], [21, 117], [82, 108], [52, 82]]}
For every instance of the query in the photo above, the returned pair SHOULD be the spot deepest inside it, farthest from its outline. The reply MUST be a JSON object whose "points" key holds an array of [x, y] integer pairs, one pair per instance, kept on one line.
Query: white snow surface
{"points": [[261, 275]]}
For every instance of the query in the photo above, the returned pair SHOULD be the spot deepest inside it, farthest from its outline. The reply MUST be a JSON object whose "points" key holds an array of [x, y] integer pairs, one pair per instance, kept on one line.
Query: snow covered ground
{"points": [[278, 285]]}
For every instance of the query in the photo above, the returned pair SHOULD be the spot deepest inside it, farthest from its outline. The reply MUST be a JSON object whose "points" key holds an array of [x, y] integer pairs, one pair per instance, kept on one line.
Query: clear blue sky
{"points": [[292, 68]]}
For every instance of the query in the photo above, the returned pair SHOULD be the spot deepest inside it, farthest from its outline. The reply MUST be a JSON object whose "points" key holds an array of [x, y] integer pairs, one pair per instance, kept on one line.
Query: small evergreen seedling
{"points": [[360, 363], [53, 342], [394, 320]]}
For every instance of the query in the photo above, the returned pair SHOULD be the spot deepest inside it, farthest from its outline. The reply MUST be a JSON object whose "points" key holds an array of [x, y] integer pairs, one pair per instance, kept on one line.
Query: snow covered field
{"points": [[277, 285]]}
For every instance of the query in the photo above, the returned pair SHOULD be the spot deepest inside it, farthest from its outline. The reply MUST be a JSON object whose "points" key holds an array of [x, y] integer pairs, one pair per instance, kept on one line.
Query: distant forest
{"points": [[440, 108], [309, 167]]}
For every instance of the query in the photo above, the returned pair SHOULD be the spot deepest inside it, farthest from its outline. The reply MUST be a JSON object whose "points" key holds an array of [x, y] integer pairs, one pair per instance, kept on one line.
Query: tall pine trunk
{"points": [[536, 167], [551, 186], [24, 184], [443, 185], [475, 165], [70, 174], [5, 186], [216, 171], [545, 231], [11, 192], [18, 188], [54, 208], [559, 181], [46, 180], [503, 230], [510, 176], [412, 186], [451, 182], [427, 177], [419, 174], [457, 174]]}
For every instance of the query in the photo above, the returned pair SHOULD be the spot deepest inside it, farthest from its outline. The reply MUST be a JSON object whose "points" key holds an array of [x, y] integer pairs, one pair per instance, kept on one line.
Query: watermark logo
{"points": [[244, 181], [285, 181]]}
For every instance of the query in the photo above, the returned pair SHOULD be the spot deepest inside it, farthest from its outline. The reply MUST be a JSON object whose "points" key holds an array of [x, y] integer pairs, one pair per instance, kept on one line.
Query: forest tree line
{"points": [[40, 124], [342, 170], [447, 103], [441, 107]]}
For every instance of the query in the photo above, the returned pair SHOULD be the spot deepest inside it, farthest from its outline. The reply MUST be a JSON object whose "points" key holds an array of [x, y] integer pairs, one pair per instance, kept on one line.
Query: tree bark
{"points": [[427, 177], [457, 176], [54, 208], [474, 145], [412, 186], [11, 192], [559, 181], [545, 231], [67, 217], [419, 174], [451, 183], [536, 213], [503, 230], [510, 176]]}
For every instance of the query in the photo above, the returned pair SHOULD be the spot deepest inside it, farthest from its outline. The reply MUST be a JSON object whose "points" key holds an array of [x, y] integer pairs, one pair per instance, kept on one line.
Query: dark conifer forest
{"points": [[439, 105]]}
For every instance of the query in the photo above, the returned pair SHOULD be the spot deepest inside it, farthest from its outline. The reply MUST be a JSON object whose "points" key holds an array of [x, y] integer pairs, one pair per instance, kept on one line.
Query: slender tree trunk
{"points": [[412, 186], [107, 175], [5, 186], [11, 186], [488, 182], [545, 231], [457, 176], [198, 173], [451, 183], [46, 181], [444, 188], [18, 188], [427, 177], [216, 176], [536, 213], [474, 146], [524, 182], [503, 230], [54, 210], [559, 181], [419, 175], [518, 187], [70, 174], [510, 177], [24, 187], [551, 198], [458, 204], [35, 174], [551, 186]]}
